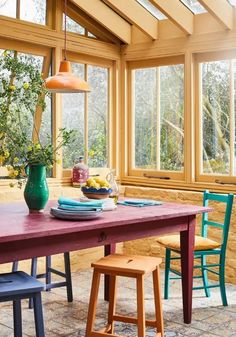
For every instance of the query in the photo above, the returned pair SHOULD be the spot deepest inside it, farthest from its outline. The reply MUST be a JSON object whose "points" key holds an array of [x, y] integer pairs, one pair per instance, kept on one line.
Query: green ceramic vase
{"points": [[36, 190]]}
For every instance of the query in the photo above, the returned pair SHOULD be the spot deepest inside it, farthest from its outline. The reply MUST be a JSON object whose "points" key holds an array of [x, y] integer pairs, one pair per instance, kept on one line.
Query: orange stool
{"points": [[128, 266]]}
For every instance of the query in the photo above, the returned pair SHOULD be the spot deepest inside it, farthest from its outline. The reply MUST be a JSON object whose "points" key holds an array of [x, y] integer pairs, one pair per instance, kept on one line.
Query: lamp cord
{"points": [[65, 21]]}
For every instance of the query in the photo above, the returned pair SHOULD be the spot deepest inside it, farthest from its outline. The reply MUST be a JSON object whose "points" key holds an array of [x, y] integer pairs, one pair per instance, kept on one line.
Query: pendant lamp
{"points": [[64, 81]]}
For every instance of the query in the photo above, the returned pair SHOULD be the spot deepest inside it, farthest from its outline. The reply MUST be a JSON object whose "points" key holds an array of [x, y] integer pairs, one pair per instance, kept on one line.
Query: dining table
{"points": [[25, 235]]}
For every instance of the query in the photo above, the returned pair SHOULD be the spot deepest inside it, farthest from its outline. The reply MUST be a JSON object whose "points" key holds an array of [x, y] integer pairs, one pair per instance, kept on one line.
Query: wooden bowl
{"points": [[93, 193]]}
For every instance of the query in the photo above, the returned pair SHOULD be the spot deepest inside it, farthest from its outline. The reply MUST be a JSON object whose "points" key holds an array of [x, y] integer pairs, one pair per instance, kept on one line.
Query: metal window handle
{"points": [[146, 175], [102, 237], [225, 182]]}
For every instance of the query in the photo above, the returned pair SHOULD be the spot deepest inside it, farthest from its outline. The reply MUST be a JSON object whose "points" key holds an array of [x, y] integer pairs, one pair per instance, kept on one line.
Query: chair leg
{"points": [[34, 263], [205, 276], [38, 315], [222, 284], [15, 266], [112, 303], [92, 303], [141, 306], [17, 318], [68, 277], [48, 271], [167, 273], [157, 300]]}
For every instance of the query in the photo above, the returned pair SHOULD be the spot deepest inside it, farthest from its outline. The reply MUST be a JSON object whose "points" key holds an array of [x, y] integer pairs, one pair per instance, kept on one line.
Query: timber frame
{"points": [[120, 49]]}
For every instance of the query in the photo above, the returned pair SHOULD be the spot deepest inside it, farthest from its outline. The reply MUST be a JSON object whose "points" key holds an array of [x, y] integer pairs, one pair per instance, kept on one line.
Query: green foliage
{"points": [[21, 90]]}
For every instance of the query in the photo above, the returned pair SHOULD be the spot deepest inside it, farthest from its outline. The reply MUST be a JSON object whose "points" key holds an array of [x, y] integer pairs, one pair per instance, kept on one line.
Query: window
{"points": [[29, 10], [216, 156], [158, 121], [74, 27], [30, 119], [88, 115], [33, 11], [194, 6], [8, 8], [152, 9]]}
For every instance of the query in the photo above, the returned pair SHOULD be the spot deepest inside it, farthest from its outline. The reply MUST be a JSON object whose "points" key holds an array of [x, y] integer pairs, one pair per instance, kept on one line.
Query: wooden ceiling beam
{"points": [[106, 17], [90, 24], [221, 10], [177, 13], [136, 15]]}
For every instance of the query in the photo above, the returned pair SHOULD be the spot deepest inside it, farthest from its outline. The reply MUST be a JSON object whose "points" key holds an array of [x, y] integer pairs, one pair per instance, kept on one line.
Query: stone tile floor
{"points": [[64, 319]]}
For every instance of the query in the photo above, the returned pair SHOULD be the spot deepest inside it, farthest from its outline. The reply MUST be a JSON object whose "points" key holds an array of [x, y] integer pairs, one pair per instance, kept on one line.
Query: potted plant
{"points": [[21, 91]]}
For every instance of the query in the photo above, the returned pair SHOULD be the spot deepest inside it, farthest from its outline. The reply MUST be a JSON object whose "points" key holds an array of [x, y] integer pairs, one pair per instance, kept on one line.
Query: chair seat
{"points": [[18, 283], [201, 243], [132, 264]]}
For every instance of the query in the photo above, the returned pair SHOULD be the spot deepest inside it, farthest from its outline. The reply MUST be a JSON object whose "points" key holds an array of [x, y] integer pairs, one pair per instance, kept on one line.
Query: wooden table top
{"points": [[16, 223]]}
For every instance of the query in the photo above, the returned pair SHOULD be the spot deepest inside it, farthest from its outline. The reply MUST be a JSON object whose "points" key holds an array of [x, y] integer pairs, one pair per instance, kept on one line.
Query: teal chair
{"points": [[203, 248]]}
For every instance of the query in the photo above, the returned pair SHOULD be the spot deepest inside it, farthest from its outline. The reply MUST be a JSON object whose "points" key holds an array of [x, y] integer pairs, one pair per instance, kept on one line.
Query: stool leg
{"points": [[38, 315], [157, 300], [92, 303], [34, 263], [140, 306], [17, 318], [112, 303], [68, 277], [48, 271], [14, 266]]}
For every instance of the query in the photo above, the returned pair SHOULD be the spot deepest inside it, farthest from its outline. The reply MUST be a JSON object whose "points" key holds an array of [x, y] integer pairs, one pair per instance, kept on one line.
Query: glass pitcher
{"points": [[110, 177]]}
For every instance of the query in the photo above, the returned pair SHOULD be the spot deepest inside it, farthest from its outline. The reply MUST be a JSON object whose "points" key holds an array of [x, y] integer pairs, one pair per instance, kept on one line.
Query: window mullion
{"points": [[86, 117], [232, 119], [18, 9], [158, 126]]}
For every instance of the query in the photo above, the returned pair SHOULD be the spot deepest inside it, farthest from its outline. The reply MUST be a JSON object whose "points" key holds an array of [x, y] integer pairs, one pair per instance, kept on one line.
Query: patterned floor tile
{"points": [[65, 319]]}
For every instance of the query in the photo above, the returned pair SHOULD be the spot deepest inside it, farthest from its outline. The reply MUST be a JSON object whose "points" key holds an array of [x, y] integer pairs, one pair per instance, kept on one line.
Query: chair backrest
{"points": [[226, 199]]}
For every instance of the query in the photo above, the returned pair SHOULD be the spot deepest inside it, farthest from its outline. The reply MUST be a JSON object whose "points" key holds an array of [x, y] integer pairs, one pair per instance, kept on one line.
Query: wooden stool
{"points": [[129, 266]]}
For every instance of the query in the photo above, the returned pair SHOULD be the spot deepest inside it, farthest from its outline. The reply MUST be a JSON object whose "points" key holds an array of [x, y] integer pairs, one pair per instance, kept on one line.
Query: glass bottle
{"points": [[80, 173], [114, 186]]}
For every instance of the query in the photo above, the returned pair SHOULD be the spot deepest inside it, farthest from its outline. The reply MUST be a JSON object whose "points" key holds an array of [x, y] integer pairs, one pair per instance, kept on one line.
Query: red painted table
{"points": [[24, 235]]}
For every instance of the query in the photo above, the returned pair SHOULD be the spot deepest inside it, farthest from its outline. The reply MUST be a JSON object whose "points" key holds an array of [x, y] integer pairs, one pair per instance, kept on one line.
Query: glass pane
{"points": [[33, 11], [98, 117], [46, 126], [91, 35], [72, 26], [194, 6], [172, 117], [215, 117], [73, 118], [26, 115], [8, 8], [152, 9], [145, 117], [22, 105], [232, 2]]}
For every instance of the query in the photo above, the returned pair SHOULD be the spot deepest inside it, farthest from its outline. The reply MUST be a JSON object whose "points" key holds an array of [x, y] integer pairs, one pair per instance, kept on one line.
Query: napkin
{"points": [[77, 208], [70, 202], [139, 202]]}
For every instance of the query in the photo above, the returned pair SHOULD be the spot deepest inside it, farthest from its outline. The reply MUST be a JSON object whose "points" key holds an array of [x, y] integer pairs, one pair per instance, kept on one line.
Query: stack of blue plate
{"points": [[76, 210]]}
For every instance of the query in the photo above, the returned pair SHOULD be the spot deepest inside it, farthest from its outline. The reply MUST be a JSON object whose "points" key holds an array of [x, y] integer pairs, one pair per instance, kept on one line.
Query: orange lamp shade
{"points": [[65, 82]]}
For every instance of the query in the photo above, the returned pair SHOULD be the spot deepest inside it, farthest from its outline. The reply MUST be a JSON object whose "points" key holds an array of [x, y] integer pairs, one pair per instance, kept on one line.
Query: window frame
{"points": [[155, 175], [204, 178], [111, 109], [49, 4]]}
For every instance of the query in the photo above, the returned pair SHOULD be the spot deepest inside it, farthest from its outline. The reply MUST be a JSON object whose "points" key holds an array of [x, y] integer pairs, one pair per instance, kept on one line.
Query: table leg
{"points": [[108, 249], [187, 249]]}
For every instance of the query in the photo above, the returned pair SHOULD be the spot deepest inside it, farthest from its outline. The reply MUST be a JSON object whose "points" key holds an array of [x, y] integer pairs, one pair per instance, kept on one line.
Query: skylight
{"points": [[194, 6], [232, 2], [152, 9]]}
